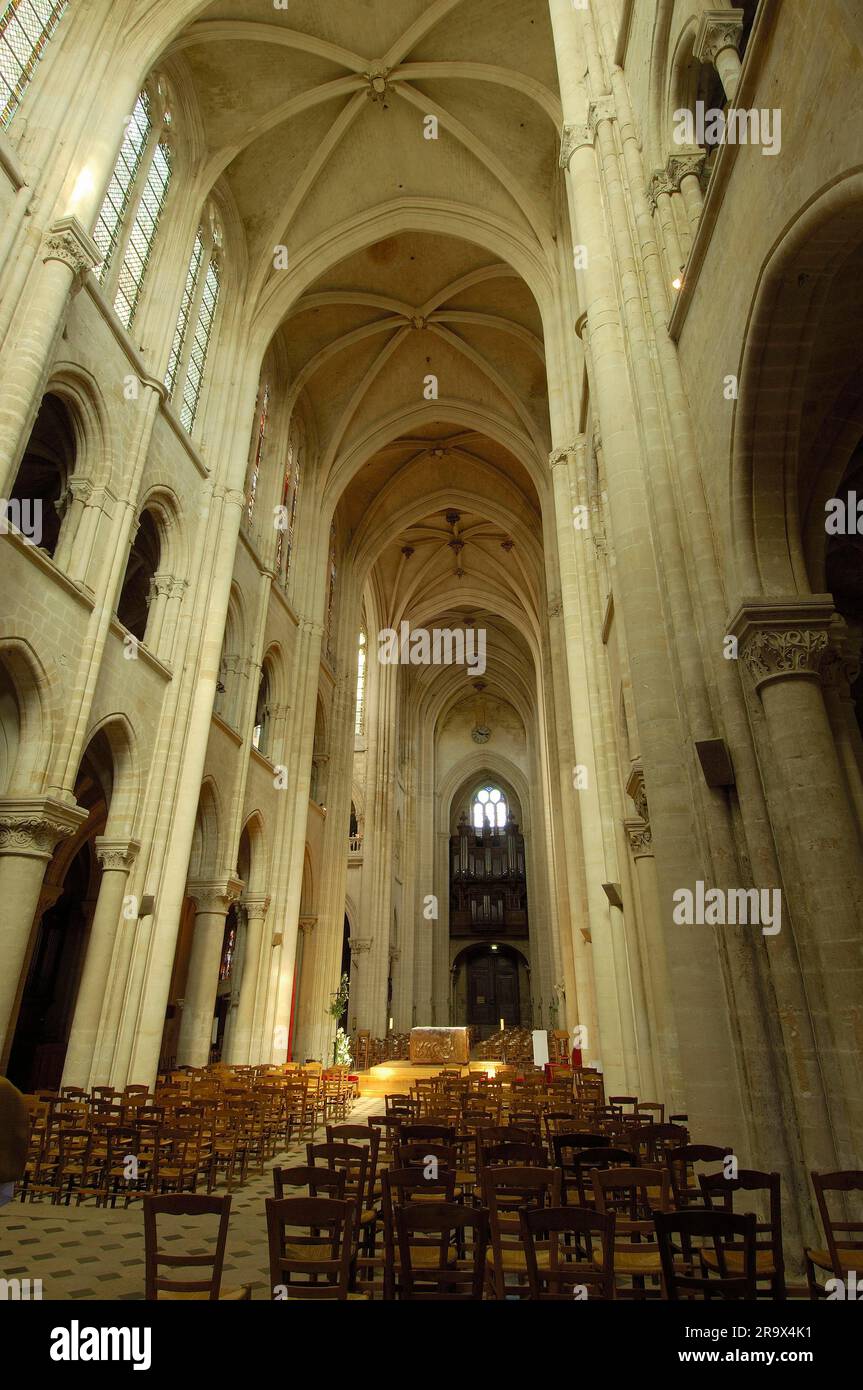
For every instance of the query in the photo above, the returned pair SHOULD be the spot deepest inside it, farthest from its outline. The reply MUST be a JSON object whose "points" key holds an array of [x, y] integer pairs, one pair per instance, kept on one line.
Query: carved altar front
{"points": [[440, 1045]]}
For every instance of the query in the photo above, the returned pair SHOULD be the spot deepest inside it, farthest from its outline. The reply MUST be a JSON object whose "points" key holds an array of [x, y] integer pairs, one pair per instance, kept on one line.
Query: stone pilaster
{"points": [[116, 858], [783, 649], [213, 901], [30, 830], [717, 42], [255, 958]]}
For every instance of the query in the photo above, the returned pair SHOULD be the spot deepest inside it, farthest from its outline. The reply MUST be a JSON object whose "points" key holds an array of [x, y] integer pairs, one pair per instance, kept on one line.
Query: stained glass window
{"points": [[360, 719], [109, 223], [200, 346], [259, 452], [331, 592], [198, 306], [185, 311], [139, 247], [26, 26], [288, 515]]}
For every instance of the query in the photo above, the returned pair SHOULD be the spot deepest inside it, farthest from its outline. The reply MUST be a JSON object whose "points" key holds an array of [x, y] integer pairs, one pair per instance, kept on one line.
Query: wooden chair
{"points": [[505, 1191], [634, 1195], [650, 1142], [446, 1226], [77, 1171], [437, 1133], [682, 1162], [389, 1128], [162, 1286], [844, 1236], [401, 1186], [581, 1163], [567, 1261], [654, 1110], [720, 1193], [730, 1236], [177, 1161], [311, 1243], [122, 1177], [320, 1182]]}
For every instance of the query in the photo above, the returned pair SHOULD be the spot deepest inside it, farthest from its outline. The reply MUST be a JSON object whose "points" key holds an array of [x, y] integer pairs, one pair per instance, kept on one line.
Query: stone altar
{"points": [[440, 1045]]}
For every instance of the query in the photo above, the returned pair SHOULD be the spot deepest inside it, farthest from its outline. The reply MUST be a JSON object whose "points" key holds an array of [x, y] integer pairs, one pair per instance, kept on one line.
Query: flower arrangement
{"points": [[338, 1004]]}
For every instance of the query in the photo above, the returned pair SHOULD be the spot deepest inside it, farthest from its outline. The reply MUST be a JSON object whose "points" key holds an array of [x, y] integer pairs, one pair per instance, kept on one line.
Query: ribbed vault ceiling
{"points": [[313, 119]]}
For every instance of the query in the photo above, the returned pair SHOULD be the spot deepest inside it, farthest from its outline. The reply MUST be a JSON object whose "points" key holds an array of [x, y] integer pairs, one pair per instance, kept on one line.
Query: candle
{"points": [[391, 1025], [501, 1025]]}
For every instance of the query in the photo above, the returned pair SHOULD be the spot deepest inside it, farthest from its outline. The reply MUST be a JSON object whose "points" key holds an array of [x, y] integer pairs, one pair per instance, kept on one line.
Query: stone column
{"points": [[116, 858], [783, 645], [213, 901], [684, 171], [363, 1004], [659, 195], [718, 42], [68, 254], [256, 909], [30, 831], [75, 501], [841, 671], [662, 1040], [302, 1000]]}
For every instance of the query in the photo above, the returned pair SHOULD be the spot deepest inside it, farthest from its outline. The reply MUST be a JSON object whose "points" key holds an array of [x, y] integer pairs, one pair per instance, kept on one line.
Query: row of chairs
{"points": [[191, 1132], [437, 1247]]}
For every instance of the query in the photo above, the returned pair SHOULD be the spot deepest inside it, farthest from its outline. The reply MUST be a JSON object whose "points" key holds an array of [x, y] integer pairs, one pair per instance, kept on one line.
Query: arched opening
{"points": [[261, 728], [318, 779], [843, 564], [60, 934], [10, 729], [491, 985], [133, 607], [227, 702], [344, 1017], [36, 503]]}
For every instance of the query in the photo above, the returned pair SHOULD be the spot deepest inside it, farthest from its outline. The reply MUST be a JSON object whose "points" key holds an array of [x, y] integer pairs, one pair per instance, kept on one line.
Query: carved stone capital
{"points": [[360, 946], [33, 827], [161, 586], [216, 897], [601, 110], [660, 184], [680, 165], [116, 855], [256, 906], [572, 138], [307, 925], [68, 241], [842, 660], [640, 838], [718, 29], [778, 640]]}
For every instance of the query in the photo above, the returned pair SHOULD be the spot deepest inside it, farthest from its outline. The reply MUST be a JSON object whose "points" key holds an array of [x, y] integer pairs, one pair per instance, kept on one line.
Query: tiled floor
{"points": [[93, 1252]]}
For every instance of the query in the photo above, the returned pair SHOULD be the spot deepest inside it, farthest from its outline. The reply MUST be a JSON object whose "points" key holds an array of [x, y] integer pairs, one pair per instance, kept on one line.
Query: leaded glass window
{"points": [[26, 27]]}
